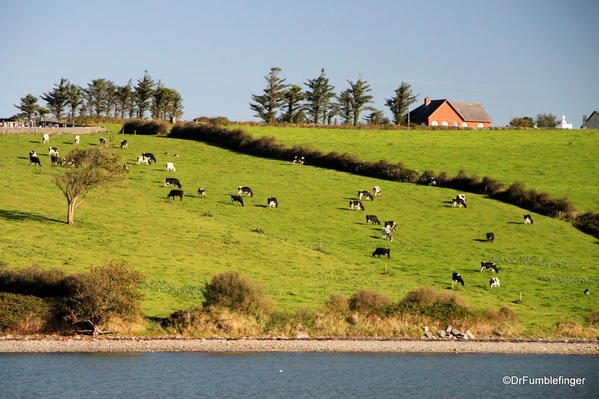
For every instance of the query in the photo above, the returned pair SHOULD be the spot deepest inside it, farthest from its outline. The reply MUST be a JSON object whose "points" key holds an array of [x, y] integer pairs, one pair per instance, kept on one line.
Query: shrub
{"points": [[231, 290], [427, 296], [589, 223], [368, 301], [337, 303], [503, 314], [212, 321], [23, 314], [34, 281], [145, 127], [593, 318], [216, 121]]}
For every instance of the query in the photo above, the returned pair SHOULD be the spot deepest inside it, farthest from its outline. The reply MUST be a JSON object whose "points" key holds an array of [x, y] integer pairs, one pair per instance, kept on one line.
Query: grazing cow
{"points": [[382, 251], [377, 191], [172, 180], [55, 160], [272, 202], [494, 283], [34, 159], [170, 167], [528, 219], [150, 156], [461, 196], [432, 181], [365, 195], [237, 198], [243, 190], [142, 160], [356, 205], [102, 141], [175, 193], [45, 138], [77, 140], [489, 266], [490, 237], [391, 224], [458, 202], [372, 219], [124, 144], [386, 233], [202, 192], [126, 166], [587, 292], [456, 278], [298, 160], [53, 151]]}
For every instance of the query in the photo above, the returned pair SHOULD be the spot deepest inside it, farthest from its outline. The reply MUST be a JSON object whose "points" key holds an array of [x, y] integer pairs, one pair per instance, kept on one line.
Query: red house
{"points": [[450, 113]]}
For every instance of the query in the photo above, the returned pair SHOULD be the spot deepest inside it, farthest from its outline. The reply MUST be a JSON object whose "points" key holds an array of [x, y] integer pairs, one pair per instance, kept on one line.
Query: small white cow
{"points": [[386, 233], [77, 140], [53, 151], [170, 167], [141, 160], [45, 138], [494, 283], [376, 190]]}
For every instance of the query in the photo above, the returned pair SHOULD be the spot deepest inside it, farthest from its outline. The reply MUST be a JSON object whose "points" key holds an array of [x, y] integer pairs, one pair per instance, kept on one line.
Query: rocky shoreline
{"points": [[171, 344]]}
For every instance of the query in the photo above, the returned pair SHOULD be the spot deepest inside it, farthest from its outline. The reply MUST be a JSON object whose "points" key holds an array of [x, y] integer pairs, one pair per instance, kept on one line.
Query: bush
{"points": [[231, 290], [589, 223], [23, 314], [215, 121], [368, 301], [337, 303], [593, 318], [503, 314], [212, 322], [34, 281], [427, 296], [145, 127]]}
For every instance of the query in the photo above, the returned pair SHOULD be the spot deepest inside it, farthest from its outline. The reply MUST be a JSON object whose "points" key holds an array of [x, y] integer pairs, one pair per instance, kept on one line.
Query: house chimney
{"points": [[427, 100]]}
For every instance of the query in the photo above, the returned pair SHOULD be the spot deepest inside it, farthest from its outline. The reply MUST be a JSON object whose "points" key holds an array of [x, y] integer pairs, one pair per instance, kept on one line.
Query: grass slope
{"points": [[560, 162], [310, 247]]}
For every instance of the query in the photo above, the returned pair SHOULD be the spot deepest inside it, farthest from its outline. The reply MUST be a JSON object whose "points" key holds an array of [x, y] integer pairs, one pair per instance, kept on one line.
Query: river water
{"points": [[293, 375]]}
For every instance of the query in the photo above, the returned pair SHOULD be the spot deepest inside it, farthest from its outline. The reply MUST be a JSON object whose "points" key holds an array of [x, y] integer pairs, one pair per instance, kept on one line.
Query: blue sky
{"points": [[515, 57]]}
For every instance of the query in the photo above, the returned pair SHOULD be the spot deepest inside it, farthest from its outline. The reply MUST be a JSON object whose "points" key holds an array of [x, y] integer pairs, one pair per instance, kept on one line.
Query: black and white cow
{"points": [[150, 156], [272, 202], [45, 138], [528, 219], [357, 205], [376, 190], [494, 283], [456, 278], [382, 251], [34, 159], [175, 193], [458, 202], [55, 160], [77, 140], [490, 237], [372, 219], [172, 180], [102, 141], [432, 181], [365, 195], [237, 198], [143, 160], [124, 144], [299, 160], [170, 167], [489, 266], [126, 166], [386, 233], [391, 224], [202, 192], [243, 190], [53, 151], [587, 292]]}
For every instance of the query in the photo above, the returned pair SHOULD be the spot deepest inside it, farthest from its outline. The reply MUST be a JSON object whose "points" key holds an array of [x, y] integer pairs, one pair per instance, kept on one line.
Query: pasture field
{"points": [[308, 248], [561, 162]]}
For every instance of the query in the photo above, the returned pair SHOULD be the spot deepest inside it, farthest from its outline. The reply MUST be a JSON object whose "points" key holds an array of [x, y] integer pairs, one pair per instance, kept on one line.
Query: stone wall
{"points": [[52, 130]]}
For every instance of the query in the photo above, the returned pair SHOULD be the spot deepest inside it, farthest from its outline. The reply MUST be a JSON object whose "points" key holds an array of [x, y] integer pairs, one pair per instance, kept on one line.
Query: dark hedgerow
{"points": [[145, 127], [35, 281], [589, 223], [267, 147]]}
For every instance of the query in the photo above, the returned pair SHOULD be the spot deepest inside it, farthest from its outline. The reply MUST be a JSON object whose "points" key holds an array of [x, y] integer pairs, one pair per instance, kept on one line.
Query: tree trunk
{"points": [[71, 212]]}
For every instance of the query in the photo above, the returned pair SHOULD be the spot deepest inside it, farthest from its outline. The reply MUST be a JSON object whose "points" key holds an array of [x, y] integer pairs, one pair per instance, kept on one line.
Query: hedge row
{"points": [[388, 126], [145, 127], [268, 147]]}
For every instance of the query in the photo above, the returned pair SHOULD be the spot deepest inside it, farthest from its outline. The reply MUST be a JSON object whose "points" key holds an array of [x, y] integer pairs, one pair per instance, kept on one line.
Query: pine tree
{"points": [[358, 98], [293, 98], [28, 105], [318, 97], [345, 106], [124, 98], [56, 99], [266, 105], [143, 93], [75, 96], [400, 103]]}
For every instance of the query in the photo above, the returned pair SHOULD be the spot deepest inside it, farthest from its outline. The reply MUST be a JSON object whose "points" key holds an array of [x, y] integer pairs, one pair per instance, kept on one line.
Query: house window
{"points": [[480, 125], [434, 123], [464, 124], [455, 124], [444, 123]]}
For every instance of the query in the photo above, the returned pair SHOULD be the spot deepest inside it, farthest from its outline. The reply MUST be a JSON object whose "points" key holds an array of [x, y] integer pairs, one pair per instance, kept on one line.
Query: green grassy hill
{"points": [[562, 163], [310, 247]]}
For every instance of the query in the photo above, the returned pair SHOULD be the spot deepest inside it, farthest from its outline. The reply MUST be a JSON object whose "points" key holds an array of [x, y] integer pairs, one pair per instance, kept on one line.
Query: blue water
{"points": [[290, 375]]}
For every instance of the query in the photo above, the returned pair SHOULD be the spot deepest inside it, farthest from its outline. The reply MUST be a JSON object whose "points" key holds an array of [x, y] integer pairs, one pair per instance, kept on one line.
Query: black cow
{"points": [[356, 205], [34, 159], [175, 193], [490, 237], [149, 155], [124, 144], [172, 180], [102, 141], [202, 192], [456, 278], [528, 219], [372, 219], [391, 224], [489, 266], [382, 251], [243, 190], [237, 198], [272, 202]]}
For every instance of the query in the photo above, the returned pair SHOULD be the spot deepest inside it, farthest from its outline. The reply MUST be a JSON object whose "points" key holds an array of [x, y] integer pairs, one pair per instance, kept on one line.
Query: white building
{"points": [[563, 124]]}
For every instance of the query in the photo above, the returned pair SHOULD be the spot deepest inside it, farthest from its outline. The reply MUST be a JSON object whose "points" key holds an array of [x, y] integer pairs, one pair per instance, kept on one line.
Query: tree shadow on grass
{"points": [[19, 216]]}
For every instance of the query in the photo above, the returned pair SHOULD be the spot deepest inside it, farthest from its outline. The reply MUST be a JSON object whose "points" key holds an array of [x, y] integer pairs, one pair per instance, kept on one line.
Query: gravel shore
{"points": [[42, 345]]}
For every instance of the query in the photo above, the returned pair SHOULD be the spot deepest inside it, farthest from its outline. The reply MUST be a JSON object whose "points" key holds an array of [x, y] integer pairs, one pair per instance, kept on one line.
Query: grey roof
{"points": [[470, 111], [421, 113]]}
